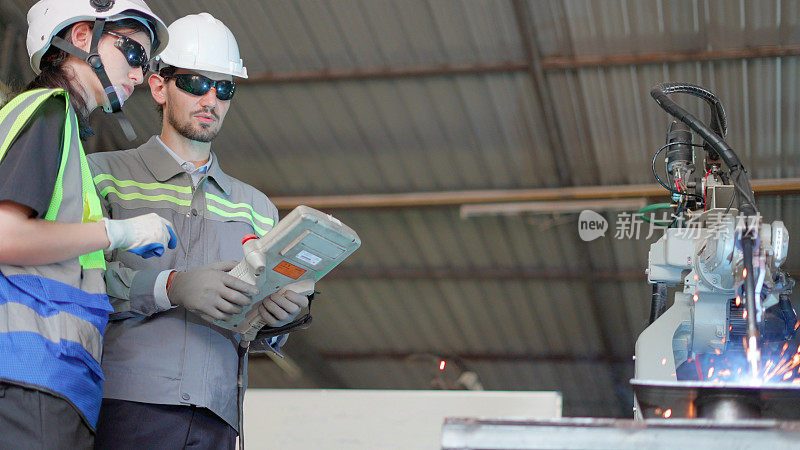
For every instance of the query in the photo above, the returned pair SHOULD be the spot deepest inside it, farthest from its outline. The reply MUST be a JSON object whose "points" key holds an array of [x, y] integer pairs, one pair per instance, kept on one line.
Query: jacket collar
{"points": [[222, 179], [164, 167]]}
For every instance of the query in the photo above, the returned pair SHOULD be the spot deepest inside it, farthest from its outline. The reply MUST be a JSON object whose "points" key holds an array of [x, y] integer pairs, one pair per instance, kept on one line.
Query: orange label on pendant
{"points": [[290, 270]]}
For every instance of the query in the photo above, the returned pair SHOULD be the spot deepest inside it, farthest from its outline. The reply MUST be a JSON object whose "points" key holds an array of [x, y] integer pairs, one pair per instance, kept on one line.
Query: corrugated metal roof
{"points": [[482, 131]]}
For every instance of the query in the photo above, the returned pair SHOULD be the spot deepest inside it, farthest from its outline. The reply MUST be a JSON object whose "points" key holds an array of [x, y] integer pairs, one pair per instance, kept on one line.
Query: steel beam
{"points": [[542, 91], [492, 357], [548, 64], [497, 274], [323, 76], [781, 186], [344, 273], [592, 433], [555, 63]]}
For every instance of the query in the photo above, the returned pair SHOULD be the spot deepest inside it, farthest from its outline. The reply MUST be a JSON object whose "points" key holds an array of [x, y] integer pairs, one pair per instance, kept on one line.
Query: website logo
{"points": [[591, 225]]}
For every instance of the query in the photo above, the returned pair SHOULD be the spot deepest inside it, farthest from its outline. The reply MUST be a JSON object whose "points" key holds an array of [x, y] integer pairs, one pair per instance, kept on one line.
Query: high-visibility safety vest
{"points": [[52, 317]]}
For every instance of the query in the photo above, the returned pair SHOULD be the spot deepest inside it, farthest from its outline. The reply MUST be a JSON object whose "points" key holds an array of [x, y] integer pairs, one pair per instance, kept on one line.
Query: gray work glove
{"points": [[210, 291], [282, 307]]}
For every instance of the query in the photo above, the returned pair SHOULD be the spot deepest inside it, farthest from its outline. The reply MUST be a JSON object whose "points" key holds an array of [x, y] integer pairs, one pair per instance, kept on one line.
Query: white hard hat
{"points": [[201, 42], [48, 17]]}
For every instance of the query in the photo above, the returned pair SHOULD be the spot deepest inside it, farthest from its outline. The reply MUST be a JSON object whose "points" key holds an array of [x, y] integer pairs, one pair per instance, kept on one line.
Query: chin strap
{"points": [[96, 63]]}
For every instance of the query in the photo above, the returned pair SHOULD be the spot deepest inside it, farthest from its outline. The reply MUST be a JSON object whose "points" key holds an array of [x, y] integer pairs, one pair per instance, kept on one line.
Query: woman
{"points": [[53, 308]]}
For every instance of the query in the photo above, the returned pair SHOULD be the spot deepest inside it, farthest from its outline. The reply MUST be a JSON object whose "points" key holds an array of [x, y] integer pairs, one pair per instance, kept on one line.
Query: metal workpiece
{"points": [[590, 433], [728, 406], [722, 402]]}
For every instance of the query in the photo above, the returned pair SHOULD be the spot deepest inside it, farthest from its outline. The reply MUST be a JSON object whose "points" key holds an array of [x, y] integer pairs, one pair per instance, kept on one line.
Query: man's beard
{"points": [[185, 129]]}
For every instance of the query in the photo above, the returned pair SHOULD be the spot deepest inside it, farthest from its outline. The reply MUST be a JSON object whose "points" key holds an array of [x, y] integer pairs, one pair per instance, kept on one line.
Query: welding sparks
{"points": [[768, 363], [667, 414], [695, 297], [442, 363], [744, 273], [738, 300], [744, 314], [664, 361]]}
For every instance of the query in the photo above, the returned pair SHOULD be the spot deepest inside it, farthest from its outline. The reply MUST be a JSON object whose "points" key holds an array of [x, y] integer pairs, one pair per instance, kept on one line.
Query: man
{"points": [[170, 374]]}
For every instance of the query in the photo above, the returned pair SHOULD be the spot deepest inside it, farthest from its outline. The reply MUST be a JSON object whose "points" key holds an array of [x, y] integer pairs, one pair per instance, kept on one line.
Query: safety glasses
{"points": [[196, 84], [133, 51]]}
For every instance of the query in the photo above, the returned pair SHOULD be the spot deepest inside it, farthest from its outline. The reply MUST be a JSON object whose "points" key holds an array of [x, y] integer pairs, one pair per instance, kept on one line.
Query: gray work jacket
{"points": [[172, 356]]}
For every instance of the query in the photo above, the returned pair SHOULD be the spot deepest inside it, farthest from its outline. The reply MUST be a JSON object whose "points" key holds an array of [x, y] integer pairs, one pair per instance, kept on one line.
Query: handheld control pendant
{"points": [[300, 250]]}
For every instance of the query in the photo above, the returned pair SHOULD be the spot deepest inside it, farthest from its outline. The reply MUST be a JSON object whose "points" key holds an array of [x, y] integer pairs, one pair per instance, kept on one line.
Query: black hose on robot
{"points": [[658, 302], [753, 332]]}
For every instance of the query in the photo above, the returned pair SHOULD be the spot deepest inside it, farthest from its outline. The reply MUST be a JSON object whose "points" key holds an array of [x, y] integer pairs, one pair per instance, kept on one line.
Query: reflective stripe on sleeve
{"points": [[259, 222], [242, 214]]}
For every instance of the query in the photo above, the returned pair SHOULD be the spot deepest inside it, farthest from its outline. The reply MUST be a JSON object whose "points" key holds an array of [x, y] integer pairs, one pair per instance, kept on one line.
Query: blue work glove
{"points": [[146, 235], [156, 249]]}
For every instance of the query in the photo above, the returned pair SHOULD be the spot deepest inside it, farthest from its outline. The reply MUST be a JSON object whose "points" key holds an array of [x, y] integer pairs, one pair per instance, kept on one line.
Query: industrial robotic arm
{"points": [[732, 296]]}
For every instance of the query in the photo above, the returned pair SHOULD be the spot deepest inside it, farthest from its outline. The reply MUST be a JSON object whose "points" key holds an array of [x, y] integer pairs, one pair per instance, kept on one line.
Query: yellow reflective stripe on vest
{"points": [[148, 186], [58, 190], [92, 211], [61, 326], [91, 202], [22, 118]]}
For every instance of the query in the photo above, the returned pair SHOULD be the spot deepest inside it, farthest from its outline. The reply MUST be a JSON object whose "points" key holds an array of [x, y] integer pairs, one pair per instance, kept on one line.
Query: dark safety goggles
{"points": [[197, 84], [133, 51]]}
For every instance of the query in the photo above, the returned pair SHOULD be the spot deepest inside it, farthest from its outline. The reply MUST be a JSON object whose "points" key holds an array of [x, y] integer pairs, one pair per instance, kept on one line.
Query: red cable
{"points": [[699, 371], [705, 189]]}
